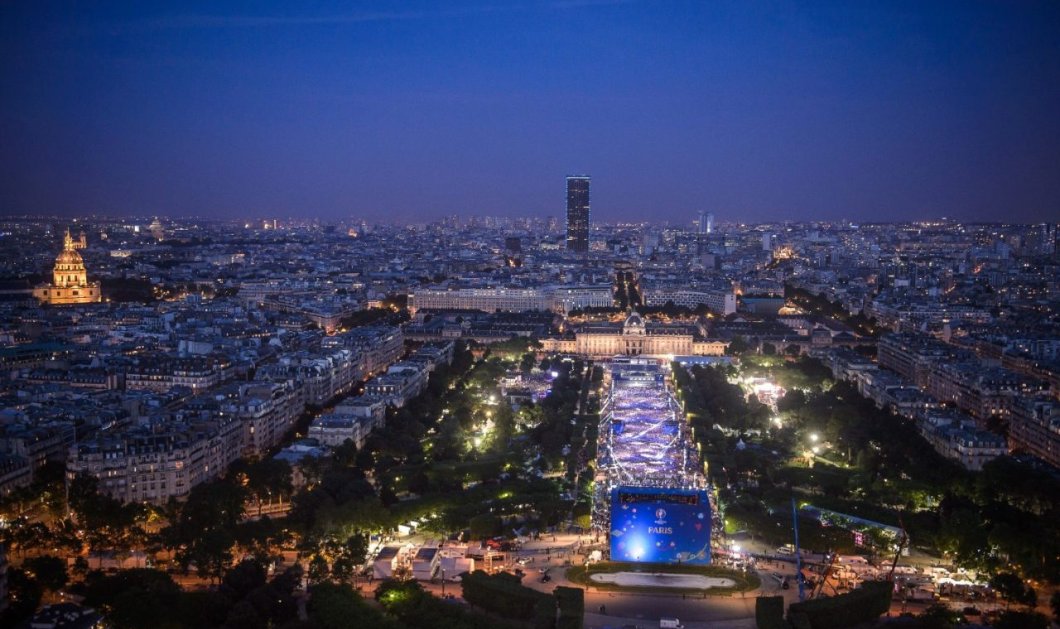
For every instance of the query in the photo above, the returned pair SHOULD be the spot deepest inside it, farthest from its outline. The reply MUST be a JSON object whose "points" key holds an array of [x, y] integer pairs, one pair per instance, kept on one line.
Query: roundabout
{"points": [[662, 580], [675, 579]]}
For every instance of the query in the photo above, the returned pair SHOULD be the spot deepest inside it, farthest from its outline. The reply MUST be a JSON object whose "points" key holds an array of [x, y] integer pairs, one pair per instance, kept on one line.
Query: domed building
{"points": [[70, 283], [634, 337], [157, 231]]}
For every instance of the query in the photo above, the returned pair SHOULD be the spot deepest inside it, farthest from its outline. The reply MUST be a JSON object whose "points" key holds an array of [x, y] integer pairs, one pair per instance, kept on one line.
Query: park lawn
{"points": [[744, 581], [787, 373]]}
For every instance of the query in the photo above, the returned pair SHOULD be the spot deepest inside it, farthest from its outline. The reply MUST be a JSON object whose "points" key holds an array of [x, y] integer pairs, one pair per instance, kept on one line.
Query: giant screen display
{"points": [[657, 525]]}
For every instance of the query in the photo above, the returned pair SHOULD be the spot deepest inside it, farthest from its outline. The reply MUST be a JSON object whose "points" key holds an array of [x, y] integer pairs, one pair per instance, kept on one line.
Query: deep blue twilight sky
{"points": [[414, 110]]}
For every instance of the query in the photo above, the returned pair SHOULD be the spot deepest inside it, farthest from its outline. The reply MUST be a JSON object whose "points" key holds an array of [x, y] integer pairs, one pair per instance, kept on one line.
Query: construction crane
{"points": [[798, 552], [824, 578], [901, 544]]}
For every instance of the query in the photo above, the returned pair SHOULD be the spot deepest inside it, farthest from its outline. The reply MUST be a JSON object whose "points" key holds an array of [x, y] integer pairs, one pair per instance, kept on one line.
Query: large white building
{"points": [[560, 299], [402, 382], [719, 301], [634, 337], [334, 429]]}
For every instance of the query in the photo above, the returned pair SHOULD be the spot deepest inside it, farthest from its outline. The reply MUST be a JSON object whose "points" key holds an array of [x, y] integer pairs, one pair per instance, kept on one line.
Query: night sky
{"points": [[754, 111]]}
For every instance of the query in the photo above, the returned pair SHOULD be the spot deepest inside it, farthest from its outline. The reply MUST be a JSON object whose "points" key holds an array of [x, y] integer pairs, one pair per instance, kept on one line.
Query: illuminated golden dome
{"points": [[69, 266], [69, 257], [70, 283]]}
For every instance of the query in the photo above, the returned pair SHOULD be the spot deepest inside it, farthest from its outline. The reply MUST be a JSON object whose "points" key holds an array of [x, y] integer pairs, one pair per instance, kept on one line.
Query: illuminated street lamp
{"points": [[814, 437]]}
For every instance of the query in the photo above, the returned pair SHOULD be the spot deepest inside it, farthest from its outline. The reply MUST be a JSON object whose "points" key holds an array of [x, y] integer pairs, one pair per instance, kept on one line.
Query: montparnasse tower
{"points": [[70, 283]]}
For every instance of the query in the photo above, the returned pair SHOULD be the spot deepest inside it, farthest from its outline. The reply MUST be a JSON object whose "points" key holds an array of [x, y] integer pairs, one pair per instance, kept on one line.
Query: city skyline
{"points": [[344, 379], [815, 112], [298, 330]]}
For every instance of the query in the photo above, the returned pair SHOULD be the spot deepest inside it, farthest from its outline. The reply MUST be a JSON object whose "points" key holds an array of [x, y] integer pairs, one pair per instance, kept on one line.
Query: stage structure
{"points": [[660, 525], [650, 493]]}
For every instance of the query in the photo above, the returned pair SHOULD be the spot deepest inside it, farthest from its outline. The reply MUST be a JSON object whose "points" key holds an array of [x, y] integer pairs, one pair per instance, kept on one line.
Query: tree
{"points": [[203, 609], [387, 495], [267, 479], [243, 579], [343, 569], [938, 616], [258, 537], [738, 345], [1054, 602], [318, 569], [204, 531], [356, 547], [1011, 588], [281, 589], [345, 454], [49, 571], [107, 522], [217, 504], [132, 598], [503, 426], [23, 596], [338, 606], [80, 566], [484, 525], [243, 615], [527, 362], [1021, 620], [211, 553], [792, 400], [420, 483], [31, 535], [65, 535]]}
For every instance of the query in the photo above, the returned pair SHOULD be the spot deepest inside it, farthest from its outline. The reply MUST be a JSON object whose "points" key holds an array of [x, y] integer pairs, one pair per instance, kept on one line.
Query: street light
{"points": [[814, 437]]}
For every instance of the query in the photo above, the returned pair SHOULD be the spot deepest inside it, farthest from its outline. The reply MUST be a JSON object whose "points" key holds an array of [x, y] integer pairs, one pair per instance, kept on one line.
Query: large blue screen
{"points": [[660, 525]]}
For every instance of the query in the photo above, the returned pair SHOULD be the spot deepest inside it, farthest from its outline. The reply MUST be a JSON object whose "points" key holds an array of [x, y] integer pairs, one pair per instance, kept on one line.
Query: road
{"points": [[621, 608]]}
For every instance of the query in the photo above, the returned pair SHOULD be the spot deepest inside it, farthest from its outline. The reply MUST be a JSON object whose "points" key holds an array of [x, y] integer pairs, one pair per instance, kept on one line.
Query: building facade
{"points": [[634, 337], [1035, 428], [719, 301], [559, 299], [154, 464]]}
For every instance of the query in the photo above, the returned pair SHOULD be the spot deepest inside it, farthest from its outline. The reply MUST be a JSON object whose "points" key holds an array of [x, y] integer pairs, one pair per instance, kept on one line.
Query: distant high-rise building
{"points": [[705, 223], [578, 214], [767, 242]]}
